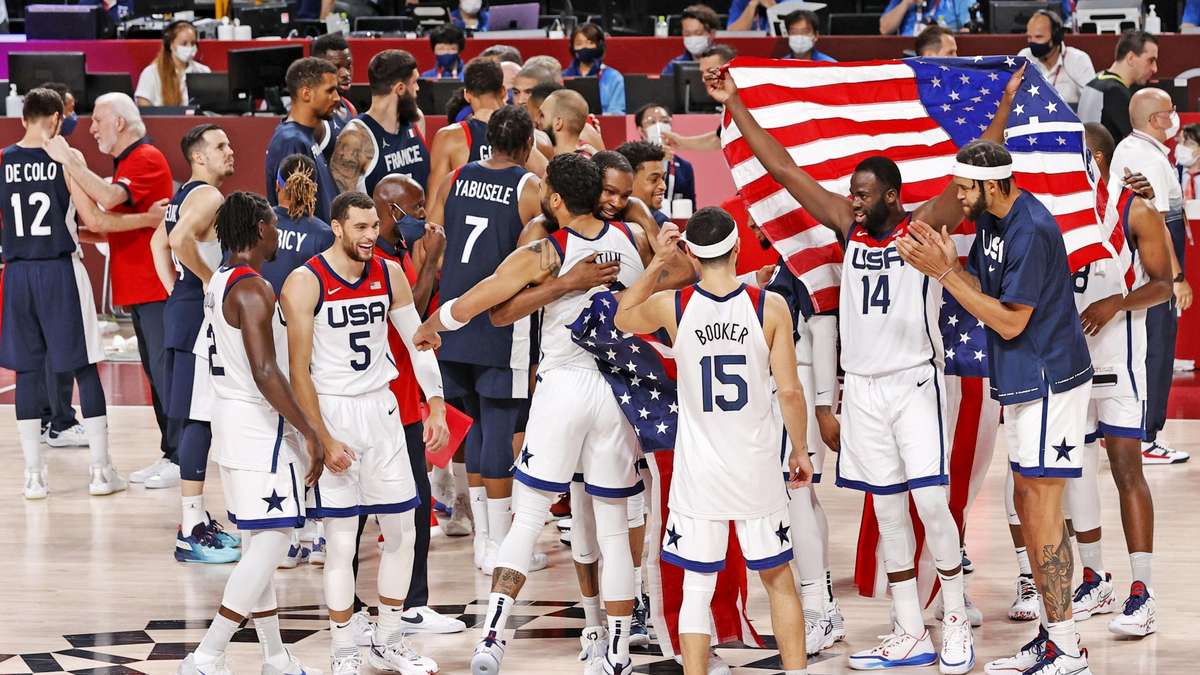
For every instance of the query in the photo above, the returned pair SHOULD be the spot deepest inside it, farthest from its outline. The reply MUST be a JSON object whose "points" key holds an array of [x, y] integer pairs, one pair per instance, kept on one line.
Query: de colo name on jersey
{"points": [[473, 189], [28, 172]]}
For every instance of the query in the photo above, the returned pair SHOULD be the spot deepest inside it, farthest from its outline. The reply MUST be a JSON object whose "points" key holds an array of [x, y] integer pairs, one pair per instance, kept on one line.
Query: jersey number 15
{"points": [[716, 367]]}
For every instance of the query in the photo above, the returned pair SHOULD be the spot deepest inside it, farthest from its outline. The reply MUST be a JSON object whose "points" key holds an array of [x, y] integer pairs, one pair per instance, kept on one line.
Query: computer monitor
{"points": [[262, 73], [210, 92], [151, 7], [264, 19], [99, 84], [514, 17], [690, 94], [1010, 16], [28, 70], [589, 88]]}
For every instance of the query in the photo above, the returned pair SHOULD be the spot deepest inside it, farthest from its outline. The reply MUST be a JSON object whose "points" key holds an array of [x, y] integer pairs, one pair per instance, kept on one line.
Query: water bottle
{"points": [[225, 29], [660, 27], [556, 31], [14, 105], [1152, 23]]}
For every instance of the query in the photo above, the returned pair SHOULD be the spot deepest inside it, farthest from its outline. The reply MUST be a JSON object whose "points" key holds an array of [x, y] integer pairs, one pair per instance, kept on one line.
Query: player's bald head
{"points": [[400, 190], [1146, 104], [1101, 143], [569, 106]]}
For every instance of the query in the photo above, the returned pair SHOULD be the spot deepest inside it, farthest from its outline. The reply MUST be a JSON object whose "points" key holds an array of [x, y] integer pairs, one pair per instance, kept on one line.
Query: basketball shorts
{"points": [[263, 500], [1120, 416], [816, 446], [380, 479], [462, 379], [574, 421], [699, 545], [190, 395], [48, 316], [249, 436], [894, 431], [1045, 436]]}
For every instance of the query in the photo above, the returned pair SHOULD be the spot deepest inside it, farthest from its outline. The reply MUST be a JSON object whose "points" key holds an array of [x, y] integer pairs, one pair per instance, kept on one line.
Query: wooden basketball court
{"points": [[91, 586]]}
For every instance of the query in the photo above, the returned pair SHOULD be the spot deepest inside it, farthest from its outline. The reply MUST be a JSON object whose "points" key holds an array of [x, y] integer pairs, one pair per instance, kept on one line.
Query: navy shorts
{"points": [[48, 316], [190, 393], [462, 379]]}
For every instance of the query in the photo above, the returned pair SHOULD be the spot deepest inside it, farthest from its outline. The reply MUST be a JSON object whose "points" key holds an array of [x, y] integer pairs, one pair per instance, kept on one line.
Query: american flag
{"points": [[962, 334], [639, 369], [918, 112]]}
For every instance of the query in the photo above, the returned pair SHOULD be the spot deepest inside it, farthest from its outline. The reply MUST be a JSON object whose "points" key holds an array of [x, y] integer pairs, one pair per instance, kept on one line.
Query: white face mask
{"points": [[185, 53], [1173, 130], [655, 131], [800, 44], [1184, 155], [470, 6], [695, 44]]}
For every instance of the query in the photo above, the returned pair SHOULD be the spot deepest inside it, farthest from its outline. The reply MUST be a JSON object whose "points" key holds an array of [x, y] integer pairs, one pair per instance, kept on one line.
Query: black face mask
{"points": [[1040, 49]]}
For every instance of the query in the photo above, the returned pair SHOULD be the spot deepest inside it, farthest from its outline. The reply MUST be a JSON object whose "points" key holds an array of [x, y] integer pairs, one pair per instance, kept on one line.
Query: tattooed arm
{"points": [[641, 309], [352, 154]]}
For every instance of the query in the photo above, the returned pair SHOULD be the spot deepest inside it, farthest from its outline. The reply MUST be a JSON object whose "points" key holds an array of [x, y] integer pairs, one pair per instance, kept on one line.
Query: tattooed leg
{"points": [[506, 581], [1039, 503]]}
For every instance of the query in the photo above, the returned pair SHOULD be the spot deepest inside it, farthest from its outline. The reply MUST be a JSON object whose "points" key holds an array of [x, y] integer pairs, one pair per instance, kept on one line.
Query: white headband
{"points": [[982, 172], [714, 250]]}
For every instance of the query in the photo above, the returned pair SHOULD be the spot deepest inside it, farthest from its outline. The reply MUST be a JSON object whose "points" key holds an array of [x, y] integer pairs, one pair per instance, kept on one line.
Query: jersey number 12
{"points": [[715, 367], [42, 201]]}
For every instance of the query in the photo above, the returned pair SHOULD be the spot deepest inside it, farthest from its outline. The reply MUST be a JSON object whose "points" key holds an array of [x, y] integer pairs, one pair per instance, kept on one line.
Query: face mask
{"points": [[1184, 155], [471, 7], [69, 122], [695, 44], [447, 61], [589, 54], [185, 53], [1039, 49], [410, 229], [655, 131], [1173, 130], [800, 44]]}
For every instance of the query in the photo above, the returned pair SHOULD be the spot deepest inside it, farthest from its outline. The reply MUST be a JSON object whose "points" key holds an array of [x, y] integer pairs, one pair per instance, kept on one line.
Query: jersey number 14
{"points": [[880, 296]]}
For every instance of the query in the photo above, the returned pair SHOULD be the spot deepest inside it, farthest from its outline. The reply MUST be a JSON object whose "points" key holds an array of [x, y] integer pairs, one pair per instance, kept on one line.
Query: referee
{"points": [[1018, 283]]}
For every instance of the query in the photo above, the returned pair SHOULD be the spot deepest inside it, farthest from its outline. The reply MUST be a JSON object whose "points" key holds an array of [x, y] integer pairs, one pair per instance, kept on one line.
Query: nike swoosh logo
{"points": [[419, 619], [392, 411], [822, 393], [922, 383], [333, 290]]}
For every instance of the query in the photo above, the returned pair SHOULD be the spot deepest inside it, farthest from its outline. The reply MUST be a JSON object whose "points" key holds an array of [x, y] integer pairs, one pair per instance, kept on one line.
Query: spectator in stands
{"points": [[70, 119], [118, 11], [1067, 69], [1187, 156], [699, 24], [447, 42], [648, 175], [715, 57], [652, 121], [803, 30], [125, 211], [587, 51], [909, 17], [749, 14], [503, 54], [1106, 98], [312, 84], [936, 41], [332, 47], [470, 15], [164, 81], [1191, 16]]}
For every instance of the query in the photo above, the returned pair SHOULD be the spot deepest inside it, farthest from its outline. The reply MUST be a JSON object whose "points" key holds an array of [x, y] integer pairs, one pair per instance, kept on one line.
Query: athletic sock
{"points": [[193, 513], [591, 611], [215, 639], [812, 596], [828, 586], [341, 639], [802, 671], [1023, 562], [496, 619], [499, 518], [96, 430], [618, 639], [1141, 563], [1089, 555], [953, 593], [389, 627], [30, 433], [908, 607], [267, 629], [1064, 636], [637, 584], [478, 499]]}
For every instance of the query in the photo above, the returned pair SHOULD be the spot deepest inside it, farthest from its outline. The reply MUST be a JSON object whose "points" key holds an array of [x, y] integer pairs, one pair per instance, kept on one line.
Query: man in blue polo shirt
{"points": [[1018, 283], [909, 17]]}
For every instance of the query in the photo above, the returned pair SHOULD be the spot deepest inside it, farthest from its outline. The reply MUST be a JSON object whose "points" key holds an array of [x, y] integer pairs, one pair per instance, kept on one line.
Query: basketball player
{"points": [[574, 417], [893, 440], [483, 207], [1018, 284], [190, 226], [340, 367], [257, 458], [332, 47], [816, 357], [394, 125], [312, 83], [49, 316], [1112, 301], [728, 340], [301, 234], [649, 184], [562, 117]]}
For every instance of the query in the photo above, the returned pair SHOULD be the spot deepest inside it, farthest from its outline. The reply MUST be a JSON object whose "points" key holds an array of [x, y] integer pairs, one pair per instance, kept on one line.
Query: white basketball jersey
{"points": [[222, 345], [350, 354], [727, 449], [889, 310], [615, 242]]}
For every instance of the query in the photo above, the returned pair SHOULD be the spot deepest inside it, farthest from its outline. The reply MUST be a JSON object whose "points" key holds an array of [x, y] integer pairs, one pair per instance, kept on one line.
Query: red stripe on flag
{"points": [[850, 93]]}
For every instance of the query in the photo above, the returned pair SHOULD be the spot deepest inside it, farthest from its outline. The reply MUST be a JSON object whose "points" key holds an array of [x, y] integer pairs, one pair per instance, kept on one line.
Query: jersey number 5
{"points": [[361, 349], [714, 367], [880, 297], [42, 201], [479, 225]]}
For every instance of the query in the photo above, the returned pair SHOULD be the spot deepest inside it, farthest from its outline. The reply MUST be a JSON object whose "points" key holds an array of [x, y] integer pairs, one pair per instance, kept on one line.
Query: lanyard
{"points": [[671, 180]]}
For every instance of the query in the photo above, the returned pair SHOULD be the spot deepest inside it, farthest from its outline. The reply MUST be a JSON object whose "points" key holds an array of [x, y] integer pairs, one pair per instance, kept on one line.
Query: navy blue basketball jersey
{"points": [[188, 286], [38, 215], [403, 152], [184, 314], [483, 221], [476, 139], [291, 137], [299, 239]]}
